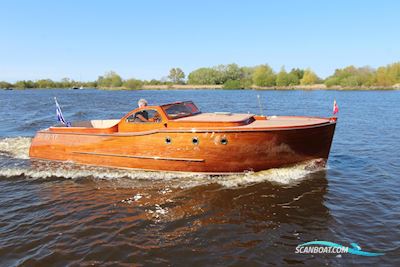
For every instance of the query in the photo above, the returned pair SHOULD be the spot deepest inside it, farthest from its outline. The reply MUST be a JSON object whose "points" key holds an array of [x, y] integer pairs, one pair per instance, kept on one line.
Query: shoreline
{"points": [[283, 88], [314, 87]]}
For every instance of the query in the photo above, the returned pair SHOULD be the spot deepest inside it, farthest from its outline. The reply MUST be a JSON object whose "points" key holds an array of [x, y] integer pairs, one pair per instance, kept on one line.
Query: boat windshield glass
{"points": [[179, 110]]}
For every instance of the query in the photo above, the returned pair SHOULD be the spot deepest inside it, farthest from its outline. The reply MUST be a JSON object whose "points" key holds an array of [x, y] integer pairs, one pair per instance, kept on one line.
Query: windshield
{"points": [[179, 110]]}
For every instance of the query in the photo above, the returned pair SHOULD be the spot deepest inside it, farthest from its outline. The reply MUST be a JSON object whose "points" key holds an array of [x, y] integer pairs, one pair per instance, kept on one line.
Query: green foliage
{"points": [[282, 78], [351, 77], [204, 76], [45, 83], [231, 72], [216, 75], [246, 83], [309, 78], [246, 80], [247, 72], [331, 81], [389, 75], [286, 79], [176, 75], [5, 85], [48, 83], [110, 79], [90, 84], [65, 83], [293, 79], [263, 75], [132, 84], [299, 73], [24, 84], [233, 84], [232, 76], [153, 82]]}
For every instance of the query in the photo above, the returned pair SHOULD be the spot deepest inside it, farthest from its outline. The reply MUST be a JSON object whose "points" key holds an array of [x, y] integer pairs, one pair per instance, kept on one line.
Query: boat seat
{"points": [[101, 124]]}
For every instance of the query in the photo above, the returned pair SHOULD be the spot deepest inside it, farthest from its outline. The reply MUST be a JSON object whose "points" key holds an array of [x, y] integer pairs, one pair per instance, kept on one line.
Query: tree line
{"points": [[109, 80], [233, 76]]}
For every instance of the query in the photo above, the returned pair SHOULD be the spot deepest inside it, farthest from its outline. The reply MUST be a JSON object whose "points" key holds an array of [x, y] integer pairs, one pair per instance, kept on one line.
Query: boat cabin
{"points": [[172, 115], [185, 116], [155, 117]]}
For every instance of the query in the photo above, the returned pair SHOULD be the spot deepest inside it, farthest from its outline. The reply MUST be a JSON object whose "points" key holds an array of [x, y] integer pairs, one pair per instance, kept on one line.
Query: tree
{"points": [[286, 79], [282, 78], [65, 83], [389, 75], [24, 84], [132, 84], [91, 84], [176, 75], [217, 75], [233, 84], [394, 72], [45, 83], [331, 81], [309, 77], [4, 84], [264, 76], [204, 76], [246, 80], [153, 82], [233, 72], [228, 72], [110, 79], [299, 73], [293, 79], [383, 78], [351, 76]]}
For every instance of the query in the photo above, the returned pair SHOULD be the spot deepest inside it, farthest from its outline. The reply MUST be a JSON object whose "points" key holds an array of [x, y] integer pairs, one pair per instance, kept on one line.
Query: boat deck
{"points": [[260, 122], [216, 117], [286, 122], [211, 121]]}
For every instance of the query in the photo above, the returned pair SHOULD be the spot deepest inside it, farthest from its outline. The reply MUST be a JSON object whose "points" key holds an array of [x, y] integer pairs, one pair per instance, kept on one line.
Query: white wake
{"points": [[18, 148]]}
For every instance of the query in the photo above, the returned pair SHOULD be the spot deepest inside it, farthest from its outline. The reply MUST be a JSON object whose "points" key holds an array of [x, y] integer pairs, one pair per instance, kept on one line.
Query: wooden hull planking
{"points": [[216, 150]]}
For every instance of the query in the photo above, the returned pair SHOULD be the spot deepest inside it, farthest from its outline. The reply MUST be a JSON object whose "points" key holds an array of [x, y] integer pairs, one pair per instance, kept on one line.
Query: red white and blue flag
{"points": [[60, 116], [335, 107]]}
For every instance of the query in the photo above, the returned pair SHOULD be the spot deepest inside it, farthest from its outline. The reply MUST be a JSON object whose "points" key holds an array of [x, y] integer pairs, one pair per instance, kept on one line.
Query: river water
{"points": [[60, 214]]}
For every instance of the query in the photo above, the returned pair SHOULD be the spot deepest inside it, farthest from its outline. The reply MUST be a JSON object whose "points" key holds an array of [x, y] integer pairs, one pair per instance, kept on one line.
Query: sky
{"points": [[145, 39]]}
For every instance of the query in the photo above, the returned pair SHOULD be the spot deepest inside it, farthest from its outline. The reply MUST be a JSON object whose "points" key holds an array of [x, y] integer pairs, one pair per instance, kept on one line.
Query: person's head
{"points": [[142, 103]]}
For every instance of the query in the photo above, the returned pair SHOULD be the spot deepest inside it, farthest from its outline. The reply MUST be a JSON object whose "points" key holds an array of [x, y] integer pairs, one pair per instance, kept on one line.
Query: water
{"points": [[60, 214]]}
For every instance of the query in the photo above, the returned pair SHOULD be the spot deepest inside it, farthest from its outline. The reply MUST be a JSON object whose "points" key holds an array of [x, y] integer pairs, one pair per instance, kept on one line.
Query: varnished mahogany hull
{"points": [[252, 150]]}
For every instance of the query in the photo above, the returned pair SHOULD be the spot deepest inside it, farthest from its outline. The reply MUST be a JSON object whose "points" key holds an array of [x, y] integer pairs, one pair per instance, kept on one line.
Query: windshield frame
{"points": [[184, 103]]}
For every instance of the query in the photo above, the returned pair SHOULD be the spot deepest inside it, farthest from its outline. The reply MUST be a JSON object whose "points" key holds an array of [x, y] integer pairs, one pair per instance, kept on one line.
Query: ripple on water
{"points": [[65, 214]]}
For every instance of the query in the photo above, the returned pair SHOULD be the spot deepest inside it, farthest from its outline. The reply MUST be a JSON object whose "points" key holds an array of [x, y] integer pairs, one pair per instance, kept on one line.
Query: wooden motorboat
{"points": [[178, 137]]}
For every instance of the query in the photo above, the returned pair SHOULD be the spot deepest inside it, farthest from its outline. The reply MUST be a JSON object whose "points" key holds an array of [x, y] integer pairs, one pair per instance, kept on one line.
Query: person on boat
{"points": [[142, 116]]}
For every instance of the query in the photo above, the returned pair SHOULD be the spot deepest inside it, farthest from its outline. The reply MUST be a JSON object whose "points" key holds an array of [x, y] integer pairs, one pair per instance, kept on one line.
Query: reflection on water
{"points": [[97, 215], [83, 217]]}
